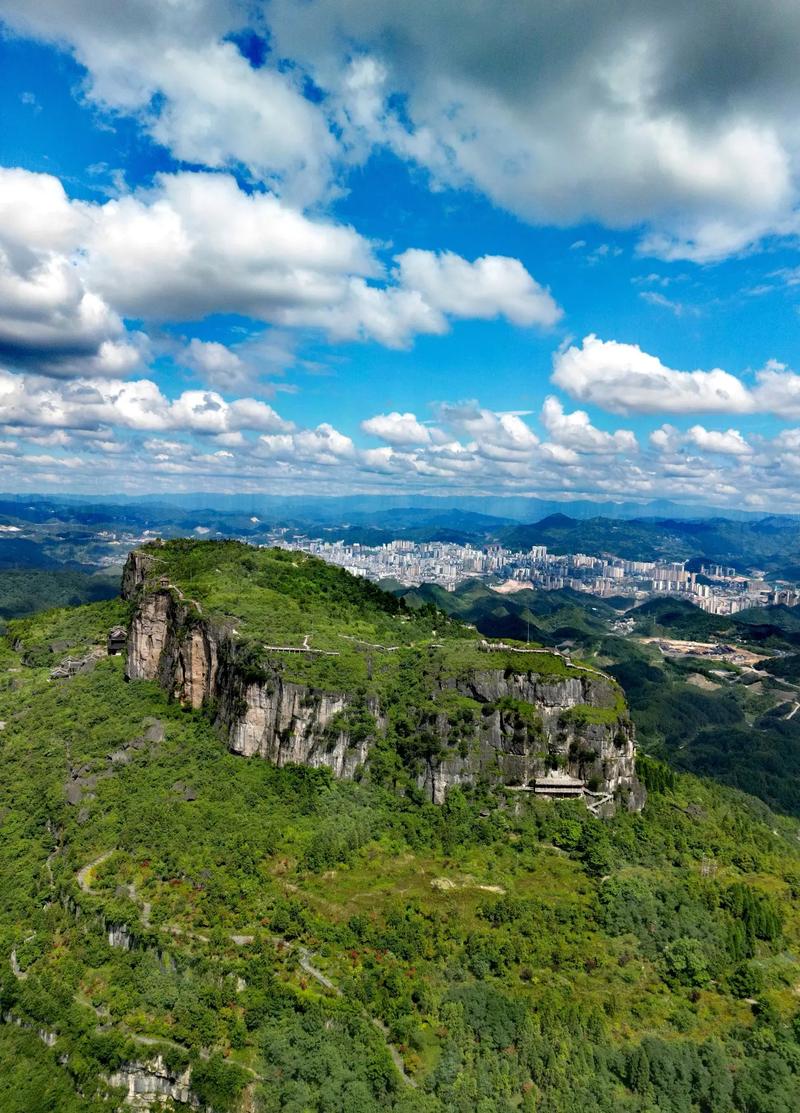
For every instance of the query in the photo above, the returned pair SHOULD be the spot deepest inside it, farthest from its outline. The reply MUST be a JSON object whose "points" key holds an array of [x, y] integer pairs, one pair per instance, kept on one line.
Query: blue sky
{"points": [[336, 247]]}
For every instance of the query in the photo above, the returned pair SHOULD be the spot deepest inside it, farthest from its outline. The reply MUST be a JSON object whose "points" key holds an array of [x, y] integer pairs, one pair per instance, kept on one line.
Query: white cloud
{"points": [[219, 112], [624, 379], [498, 436], [216, 364], [493, 286], [666, 439], [778, 390], [196, 244], [194, 93], [49, 318], [324, 446], [560, 453], [397, 429], [667, 117], [729, 442], [130, 437], [629, 115], [575, 430], [31, 401]]}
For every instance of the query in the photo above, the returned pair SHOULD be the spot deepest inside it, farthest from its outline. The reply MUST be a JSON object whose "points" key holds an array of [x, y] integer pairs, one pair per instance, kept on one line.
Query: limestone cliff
{"points": [[151, 1084], [200, 664], [517, 727], [528, 726]]}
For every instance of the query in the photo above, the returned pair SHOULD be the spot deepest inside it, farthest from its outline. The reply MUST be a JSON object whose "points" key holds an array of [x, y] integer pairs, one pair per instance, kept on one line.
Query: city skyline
{"points": [[715, 588]]}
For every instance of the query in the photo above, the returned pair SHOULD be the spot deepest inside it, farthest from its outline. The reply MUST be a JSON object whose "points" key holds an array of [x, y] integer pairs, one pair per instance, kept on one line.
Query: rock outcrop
{"points": [[517, 725], [152, 1084]]}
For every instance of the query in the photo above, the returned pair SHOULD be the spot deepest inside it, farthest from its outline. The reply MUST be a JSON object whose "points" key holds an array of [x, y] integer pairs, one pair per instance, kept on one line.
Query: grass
{"points": [[273, 597]]}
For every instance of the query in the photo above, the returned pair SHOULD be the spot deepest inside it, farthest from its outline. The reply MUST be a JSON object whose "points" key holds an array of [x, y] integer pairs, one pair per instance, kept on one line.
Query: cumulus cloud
{"points": [[196, 244], [498, 436], [493, 286], [631, 114], [49, 317], [624, 379], [76, 434], [729, 442], [216, 363], [397, 429], [85, 404], [778, 390], [324, 446], [726, 442], [623, 113], [575, 430], [195, 93]]}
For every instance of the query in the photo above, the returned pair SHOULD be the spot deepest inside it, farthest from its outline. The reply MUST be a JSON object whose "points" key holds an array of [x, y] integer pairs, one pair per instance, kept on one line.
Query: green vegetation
{"points": [[362, 638], [46, 638], [510, 953], [762, 628], [25, 591], [542, 617], [736, 732]]}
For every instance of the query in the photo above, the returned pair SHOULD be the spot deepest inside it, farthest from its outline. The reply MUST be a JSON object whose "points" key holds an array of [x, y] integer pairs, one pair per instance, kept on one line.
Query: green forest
{"points": [[306, 944]]}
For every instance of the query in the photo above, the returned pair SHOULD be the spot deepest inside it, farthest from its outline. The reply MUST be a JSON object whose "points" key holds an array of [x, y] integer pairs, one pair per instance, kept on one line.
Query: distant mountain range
{"points": [[49, 531], [519, 508]]}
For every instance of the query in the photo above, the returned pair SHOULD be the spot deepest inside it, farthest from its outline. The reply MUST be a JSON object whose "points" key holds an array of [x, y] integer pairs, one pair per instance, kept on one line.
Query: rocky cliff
{"points": [[531, 729], [517, 727], [151, 1084]]}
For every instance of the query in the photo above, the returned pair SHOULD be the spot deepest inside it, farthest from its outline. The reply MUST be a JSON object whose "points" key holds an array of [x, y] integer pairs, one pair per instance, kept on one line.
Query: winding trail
{"points": [[496, 647], [85, 872], [185, 599], [16, 969], [304, 957]]}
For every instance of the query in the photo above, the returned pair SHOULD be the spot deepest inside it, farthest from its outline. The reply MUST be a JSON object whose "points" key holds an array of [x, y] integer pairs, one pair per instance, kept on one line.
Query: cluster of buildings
{"points": [[717, 589]]}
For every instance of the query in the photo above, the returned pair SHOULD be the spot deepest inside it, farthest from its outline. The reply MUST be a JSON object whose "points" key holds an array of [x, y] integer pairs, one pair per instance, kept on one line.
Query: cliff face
{"points": [[152, 1085], [520, 729], [282, 722], [287, 723], [574, 730]]}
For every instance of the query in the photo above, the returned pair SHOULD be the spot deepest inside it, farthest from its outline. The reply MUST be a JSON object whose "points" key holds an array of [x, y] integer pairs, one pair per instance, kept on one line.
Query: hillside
{"points": [[257, 938], [544, 617]]}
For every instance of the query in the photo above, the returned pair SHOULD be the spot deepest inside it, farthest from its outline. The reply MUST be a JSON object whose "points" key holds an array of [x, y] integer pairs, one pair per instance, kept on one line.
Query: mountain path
{"points": [[305, 962]]}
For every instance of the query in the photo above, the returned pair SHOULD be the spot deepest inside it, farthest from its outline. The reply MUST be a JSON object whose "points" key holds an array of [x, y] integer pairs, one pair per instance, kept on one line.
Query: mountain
{"points": [[522, 508], [772, 543], [254, 935], [304, 663]]}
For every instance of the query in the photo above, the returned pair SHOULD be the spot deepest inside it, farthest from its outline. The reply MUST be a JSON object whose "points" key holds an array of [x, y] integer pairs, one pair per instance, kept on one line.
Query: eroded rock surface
{"points": [[151, 1084]]}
